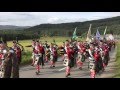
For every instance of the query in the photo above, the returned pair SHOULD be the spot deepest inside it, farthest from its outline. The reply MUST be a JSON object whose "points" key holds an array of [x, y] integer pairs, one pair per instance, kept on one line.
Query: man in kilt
{"points": [[18, 52], [69, 52], [10, 62], [53, 55]]}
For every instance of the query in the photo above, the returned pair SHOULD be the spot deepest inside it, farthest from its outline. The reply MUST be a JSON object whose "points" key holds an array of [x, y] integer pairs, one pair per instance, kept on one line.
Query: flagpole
{"points": [[89, 33], [105, 30]]}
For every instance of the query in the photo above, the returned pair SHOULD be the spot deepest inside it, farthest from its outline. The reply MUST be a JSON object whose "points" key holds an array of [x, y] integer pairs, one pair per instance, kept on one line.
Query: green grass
{"points": [[59, 41], [26, 57], [117, 71]]}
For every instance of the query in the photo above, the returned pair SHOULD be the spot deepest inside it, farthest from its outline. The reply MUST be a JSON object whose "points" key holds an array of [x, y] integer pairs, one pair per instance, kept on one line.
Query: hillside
{"points": [[64, 29], [10, 27], [67, 28]]}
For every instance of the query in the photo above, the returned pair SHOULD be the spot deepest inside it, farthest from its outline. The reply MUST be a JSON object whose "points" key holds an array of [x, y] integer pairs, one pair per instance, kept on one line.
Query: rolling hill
{"points": [[68, 28], [11, 27], [64, 29]]}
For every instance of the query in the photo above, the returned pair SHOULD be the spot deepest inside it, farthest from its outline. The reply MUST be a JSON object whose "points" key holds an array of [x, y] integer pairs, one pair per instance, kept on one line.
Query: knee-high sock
{"points": [[62, 57], [46, 58], [67, 70], [38, 67], [92, 73], [104, 65], [80, 64], [51, 63]]}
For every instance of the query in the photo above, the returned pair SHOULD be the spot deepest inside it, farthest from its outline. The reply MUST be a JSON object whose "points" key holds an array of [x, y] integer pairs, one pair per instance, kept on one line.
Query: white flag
{"points": [[89, 34], [105, 30]]}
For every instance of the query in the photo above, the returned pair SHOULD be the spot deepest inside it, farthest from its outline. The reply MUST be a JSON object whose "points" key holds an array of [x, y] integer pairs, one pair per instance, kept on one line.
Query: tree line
{"points": [[64, 29]]}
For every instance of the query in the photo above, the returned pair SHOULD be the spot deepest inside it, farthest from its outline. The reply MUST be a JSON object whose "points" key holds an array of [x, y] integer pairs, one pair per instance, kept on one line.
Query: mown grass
{"points": [[117, 71], [26, 55]]}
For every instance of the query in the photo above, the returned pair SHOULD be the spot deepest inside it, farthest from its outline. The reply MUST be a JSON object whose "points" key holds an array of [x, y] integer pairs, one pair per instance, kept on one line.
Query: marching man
{"points": [[92, 65], [81, 55], [38, 57], [69, 52], [53, 55], [42, 51], [17, 50], [10, 61]]}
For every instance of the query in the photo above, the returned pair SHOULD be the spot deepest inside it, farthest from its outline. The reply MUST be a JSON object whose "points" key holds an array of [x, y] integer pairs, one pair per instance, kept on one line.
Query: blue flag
{"points": [[98, 36]]}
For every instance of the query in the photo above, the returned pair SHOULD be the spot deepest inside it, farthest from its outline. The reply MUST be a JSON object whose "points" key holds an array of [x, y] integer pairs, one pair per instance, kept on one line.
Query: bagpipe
{"points": [[22, 48]]}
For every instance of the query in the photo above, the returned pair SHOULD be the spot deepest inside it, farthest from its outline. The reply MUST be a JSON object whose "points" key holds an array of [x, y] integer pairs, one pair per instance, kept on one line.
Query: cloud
{"points": [[35, 18]]}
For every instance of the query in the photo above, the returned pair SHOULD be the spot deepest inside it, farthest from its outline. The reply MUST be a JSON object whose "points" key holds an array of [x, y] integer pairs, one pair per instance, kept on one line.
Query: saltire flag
{"points": [[98, 36], [88, 39], [74, 34]]}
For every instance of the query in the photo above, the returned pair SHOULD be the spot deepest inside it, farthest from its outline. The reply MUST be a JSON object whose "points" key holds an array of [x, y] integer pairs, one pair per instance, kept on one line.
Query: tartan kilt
{"points": [[71, 63]]}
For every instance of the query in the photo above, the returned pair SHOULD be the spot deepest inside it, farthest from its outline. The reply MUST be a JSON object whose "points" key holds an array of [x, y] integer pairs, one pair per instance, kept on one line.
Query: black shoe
{"points": [[32, 64], [53, 66], [80, 68], [38, 72], [67, 75]]}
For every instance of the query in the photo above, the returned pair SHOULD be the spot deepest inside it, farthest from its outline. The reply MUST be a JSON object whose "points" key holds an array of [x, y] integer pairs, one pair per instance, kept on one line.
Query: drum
{"points": [[66, 60], [37, 58], [91, 63]]}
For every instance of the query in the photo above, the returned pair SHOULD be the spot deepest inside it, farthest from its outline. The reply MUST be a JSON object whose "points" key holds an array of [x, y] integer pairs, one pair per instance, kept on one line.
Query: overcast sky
{"points": [[36, 18]]}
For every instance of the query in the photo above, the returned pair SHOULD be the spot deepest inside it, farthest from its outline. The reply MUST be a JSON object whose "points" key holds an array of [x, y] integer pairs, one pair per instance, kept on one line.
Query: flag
{"points": [[105, 31], [104, 36], [88, 39], [98, 36], [74, 34]]}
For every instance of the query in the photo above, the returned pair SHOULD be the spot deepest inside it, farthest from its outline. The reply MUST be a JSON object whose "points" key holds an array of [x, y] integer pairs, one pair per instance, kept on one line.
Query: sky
{"points": [[36, 18]]}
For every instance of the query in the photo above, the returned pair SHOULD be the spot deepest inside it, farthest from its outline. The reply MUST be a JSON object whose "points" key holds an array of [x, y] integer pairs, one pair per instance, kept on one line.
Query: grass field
{"points": [[59, 41], [26, 57], [117, 71]]}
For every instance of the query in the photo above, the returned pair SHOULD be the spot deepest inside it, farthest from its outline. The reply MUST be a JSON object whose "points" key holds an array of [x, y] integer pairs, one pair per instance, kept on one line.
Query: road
{"points": [[29, 71]]}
